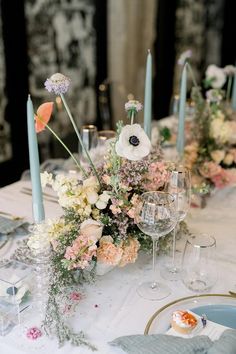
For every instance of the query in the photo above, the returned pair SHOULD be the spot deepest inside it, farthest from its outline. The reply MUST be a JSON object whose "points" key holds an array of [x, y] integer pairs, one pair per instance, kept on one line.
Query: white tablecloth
{"points": [[111, 306]]}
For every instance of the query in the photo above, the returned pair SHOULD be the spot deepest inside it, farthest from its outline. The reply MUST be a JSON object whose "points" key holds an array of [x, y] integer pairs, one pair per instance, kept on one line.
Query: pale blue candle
{"points": [[37, 197], [233, 99], [182, 104], [148, 96]]}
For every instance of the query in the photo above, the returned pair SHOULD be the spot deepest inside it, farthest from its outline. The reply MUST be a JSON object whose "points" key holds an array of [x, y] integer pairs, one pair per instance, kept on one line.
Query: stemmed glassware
{"points": [[156, 216], [179, 185]]}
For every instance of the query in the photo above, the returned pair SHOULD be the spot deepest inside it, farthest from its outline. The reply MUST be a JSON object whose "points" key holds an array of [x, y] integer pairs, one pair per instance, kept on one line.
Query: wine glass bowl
{"points": [[179, 185], [156, 216]]}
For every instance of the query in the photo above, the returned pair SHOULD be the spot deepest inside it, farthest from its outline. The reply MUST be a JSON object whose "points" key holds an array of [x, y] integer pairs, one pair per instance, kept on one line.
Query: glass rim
{"points": [[161, 193], [198, 245], [107, 131], [88, 127]]}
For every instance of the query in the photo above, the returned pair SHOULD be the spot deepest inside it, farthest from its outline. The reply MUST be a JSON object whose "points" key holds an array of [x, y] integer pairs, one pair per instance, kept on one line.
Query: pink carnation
{"points": [[109, 253], [34, 333], [224, 178], [130, 252]]}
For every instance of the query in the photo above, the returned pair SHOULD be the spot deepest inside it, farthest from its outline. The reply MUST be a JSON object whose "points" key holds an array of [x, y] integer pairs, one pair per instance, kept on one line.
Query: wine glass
{"points": [[179, 185], [156, 216]]}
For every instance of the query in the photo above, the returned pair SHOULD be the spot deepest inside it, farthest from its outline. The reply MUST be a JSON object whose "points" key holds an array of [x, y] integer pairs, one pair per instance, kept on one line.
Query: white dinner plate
{"points": [[219, 308]]}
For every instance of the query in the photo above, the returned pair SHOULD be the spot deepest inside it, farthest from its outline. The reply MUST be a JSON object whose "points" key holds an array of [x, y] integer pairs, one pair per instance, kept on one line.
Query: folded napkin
{"points": [[9, 225], [166, 344]]}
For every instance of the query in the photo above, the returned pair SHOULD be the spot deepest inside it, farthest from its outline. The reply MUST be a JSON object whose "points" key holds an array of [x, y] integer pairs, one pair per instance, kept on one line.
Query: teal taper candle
{"points": [[148, 96], [37, 198], [182, 104], [233, 99]]}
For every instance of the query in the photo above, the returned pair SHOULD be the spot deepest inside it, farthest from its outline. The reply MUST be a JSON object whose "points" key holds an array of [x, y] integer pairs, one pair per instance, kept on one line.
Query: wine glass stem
{"points": [[174, 244], [154, 244]]}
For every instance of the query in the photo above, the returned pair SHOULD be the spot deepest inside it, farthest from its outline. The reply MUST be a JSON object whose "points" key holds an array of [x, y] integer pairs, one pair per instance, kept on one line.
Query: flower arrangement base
{"points": [[103, 268]]}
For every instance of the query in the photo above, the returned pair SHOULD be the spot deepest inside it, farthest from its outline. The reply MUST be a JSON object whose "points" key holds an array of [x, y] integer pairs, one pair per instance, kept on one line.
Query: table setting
{"points": [[109, 245]]}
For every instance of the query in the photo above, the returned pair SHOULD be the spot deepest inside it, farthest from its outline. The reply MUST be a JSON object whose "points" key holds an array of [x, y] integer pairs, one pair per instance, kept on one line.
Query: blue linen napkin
{"points": [[9, 225], [166, 344]]}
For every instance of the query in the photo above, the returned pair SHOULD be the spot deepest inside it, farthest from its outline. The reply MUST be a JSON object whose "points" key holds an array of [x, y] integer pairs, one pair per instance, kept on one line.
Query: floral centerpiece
{"points": [[98, 224], [211, 154]]}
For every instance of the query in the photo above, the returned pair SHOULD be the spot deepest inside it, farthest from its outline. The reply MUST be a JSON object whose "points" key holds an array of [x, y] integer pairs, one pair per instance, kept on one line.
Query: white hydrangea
{"points": [[220, 130], [46, 178]]}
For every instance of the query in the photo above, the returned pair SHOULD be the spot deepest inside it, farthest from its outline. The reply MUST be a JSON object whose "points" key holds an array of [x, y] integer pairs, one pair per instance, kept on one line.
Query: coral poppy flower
{"points": [[43, 116]]}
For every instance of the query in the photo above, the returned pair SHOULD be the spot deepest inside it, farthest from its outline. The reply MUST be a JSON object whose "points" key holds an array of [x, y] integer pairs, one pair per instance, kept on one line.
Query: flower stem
{"points": [[192, 74], [229, 84], [79, 137], [65, 147], [132, 117]]}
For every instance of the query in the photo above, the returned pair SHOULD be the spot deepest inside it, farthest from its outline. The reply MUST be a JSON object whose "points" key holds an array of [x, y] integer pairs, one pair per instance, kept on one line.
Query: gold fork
{"points": [[13, 217], [232, 293]]}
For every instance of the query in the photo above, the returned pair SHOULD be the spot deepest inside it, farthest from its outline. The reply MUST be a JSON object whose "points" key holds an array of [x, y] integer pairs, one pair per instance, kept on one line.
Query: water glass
{"points": [[199, 268], [104, 135], [89, 137]]}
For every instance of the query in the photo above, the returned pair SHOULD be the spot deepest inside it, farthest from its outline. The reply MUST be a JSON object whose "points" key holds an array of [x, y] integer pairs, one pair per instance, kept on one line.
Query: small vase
{"points": [[103, 268]]}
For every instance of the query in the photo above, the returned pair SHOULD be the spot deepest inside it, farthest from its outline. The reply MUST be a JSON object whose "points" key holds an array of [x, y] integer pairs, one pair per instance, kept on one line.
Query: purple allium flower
{"points": [[184, 56], [133, 105], [230, 70], [57, 83]]}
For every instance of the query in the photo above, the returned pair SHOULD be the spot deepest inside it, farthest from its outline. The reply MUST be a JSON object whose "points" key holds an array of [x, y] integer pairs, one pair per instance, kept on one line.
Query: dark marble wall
{"points": [[5, 133], [62, 38]]}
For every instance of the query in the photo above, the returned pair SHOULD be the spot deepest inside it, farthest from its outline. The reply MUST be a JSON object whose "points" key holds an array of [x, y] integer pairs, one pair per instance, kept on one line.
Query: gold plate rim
{"points": [[152, 318]]}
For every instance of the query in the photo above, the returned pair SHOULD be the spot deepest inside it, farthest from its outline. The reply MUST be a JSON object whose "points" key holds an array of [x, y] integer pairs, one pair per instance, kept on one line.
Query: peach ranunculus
{"points": [[130, 252], [218, 155], [209, 169], [190, 154], [228, 159], [43, 116], [109, 253], [233, 152], [232, 137], [92, 229]]}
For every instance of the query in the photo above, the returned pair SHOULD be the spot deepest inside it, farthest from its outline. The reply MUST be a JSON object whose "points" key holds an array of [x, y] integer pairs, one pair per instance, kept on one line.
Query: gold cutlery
{"points": [[13, 217], [48, 199], [232, 293], [29, 190]]}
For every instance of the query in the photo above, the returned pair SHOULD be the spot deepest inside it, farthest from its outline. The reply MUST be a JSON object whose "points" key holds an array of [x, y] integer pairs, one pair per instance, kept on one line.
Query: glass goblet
{"points": [[156, 216], [179, 185]]}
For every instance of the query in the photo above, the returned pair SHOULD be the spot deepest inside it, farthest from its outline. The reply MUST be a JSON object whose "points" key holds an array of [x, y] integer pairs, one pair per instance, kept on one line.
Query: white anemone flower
{"points": [[103, 199], [133, 143], [216, 75]]}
